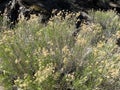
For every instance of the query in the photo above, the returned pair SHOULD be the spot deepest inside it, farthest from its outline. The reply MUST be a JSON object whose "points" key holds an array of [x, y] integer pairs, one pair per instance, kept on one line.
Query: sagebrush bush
{"points": [[47, 57], [109, 22]]}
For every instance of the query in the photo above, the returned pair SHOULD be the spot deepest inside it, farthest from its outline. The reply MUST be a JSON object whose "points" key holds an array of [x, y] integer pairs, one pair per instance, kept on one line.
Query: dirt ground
{"points": [[1, 88]]}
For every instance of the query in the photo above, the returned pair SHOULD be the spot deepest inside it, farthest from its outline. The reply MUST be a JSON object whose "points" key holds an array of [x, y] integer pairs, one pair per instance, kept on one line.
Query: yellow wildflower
{"points": [[81, 41], [45, 52]]}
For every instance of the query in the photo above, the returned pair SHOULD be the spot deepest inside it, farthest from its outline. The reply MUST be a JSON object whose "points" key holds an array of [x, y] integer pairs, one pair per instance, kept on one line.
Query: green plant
{"points": [[109, 22], [47, 57]]}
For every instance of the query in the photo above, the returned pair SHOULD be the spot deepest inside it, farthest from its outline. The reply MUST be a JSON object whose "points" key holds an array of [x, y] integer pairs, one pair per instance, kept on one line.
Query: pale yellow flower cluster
{"points": [[114, 73], [17, 61], [118, 34], [87, 33], [81, 41], [23, 84], [65, 50], [50, 43], [100, 44], [38, 34], [45, 52], [109, 69], [37, 51], [106, 57], [66, 54], [91, 29], [43, 74], [113, 69], [62, 17], [51, 23], [52, 52], [98, 52], [6, 35], [70, 77], [34, 20]]}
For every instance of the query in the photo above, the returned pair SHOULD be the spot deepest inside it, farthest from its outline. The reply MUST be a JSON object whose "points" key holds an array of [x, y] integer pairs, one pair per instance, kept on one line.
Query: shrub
{"points": [[47, 57], [109, 22]]}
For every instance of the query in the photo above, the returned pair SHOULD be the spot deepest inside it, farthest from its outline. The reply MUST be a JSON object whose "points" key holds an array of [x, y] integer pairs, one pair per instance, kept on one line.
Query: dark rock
{"points": [[3, 4], [12, 8], [118, 42]]}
